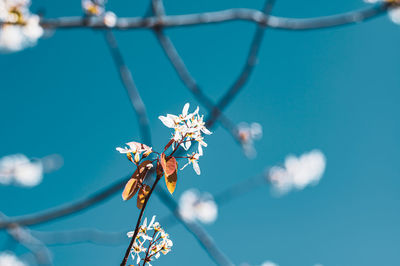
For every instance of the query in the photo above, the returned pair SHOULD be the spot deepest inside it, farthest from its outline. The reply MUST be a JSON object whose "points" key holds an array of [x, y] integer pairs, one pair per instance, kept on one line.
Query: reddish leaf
{"points": [[130, 189], [171, 182], [143, 192], [169, 165]]}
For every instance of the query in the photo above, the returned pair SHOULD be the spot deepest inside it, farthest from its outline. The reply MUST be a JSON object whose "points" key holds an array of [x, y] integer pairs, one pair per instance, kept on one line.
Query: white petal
{"points": [[184, 166], [168, 122], [196, 111], [196, 167], [206, 131], [121, 150], [188, 144], [185, 109], [152, 221], [200, 149]]}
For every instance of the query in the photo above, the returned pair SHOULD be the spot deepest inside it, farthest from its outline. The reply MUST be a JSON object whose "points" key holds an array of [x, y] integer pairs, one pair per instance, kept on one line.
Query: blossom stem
{"points": [[148, 249], [128, 250]]}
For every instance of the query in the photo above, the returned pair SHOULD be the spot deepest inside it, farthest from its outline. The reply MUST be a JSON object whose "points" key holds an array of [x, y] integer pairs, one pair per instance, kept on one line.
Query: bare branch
{"points": [[227, 15]]}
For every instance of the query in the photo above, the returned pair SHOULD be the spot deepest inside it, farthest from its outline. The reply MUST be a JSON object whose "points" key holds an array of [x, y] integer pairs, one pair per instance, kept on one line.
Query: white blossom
{"points": [[9, 259], [20, 29], [248, 133], [193, 159], [137, 149], [110, 19], [298, 173], [158, 243], [195, 206], [188, 127]]}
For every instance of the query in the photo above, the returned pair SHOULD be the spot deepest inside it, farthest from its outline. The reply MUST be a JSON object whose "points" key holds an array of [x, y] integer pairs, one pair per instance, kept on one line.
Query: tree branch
{"points": [[227, 15]]}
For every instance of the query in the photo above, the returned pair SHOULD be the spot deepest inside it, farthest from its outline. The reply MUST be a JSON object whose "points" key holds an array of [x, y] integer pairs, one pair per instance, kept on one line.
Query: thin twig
{"points": [[227, 15], [129, 84], [247, 68], [128, 250]]}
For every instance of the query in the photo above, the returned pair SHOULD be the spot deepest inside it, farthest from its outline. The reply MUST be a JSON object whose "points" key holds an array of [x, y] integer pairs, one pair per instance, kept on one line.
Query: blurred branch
{"points": [[129, 84], [23, 236], [244, 76], [234, 14], [94, 236], [66, 210]]}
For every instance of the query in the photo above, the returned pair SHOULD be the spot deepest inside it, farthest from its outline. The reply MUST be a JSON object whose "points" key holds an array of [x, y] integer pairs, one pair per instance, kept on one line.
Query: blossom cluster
{"points": [[188, 128], [298, 173], [146, 247], [194, 205], [19, 28]]}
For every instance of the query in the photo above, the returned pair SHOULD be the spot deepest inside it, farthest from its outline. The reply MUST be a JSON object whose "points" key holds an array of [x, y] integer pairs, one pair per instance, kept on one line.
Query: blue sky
{"points": [[332, 89]]}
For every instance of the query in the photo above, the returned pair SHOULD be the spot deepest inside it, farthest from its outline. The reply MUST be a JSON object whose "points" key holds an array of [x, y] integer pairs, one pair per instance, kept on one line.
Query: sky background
{"points": [[336, 90]]}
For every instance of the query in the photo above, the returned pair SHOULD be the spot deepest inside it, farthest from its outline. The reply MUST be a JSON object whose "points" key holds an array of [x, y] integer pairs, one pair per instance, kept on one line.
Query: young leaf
{"points": [[169, 165], [130, 189], [171, 182], [143, 192]]}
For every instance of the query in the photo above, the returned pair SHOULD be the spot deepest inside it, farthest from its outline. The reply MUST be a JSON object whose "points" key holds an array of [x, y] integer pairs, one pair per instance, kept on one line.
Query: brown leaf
{"points": [[141, 171], [130, 189], [143, 192], [168, 164], [171, 182]]}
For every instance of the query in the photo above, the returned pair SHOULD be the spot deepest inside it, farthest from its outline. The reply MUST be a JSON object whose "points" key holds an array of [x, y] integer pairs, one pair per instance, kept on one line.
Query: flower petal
{"points": [[185, 109], [168, 122]]}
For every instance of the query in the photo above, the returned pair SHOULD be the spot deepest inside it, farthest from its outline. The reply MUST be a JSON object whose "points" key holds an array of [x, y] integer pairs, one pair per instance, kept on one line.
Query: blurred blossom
{"points": [[247, 134], [9, 259], [297, 173], [394, 13], [195, 206], [21, 170], [20, 28], [269, 263], [110, 19], [93, 7]]}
